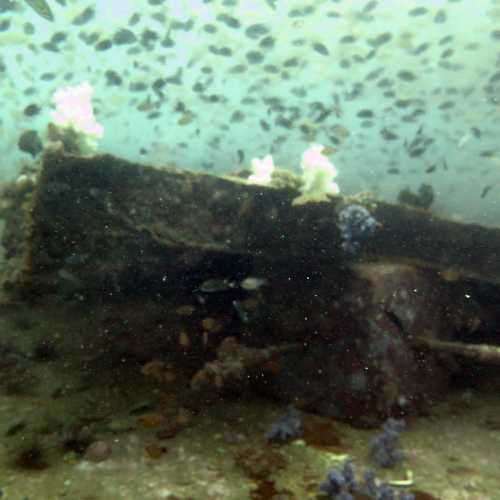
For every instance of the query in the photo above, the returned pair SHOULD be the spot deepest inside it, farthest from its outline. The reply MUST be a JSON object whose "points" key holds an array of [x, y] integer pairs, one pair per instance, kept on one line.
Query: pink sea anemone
{"points": [[74, 110]]}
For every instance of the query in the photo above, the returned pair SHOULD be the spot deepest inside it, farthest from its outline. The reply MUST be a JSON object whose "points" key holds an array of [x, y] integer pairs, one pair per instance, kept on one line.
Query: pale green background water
{"points": [[289, 97]]}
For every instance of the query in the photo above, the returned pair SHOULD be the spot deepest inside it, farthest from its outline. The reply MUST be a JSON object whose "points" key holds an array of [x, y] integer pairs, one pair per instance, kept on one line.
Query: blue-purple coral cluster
{"points": [[356, 224], [386, 447], [287, 427], [341, 484]]}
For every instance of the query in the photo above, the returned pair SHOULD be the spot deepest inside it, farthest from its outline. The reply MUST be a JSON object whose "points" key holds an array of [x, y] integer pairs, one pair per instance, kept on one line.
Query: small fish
{"points": [[372, 5], [264, 125], [185, 119], [432, 168], [476, 132], [356, 91], [446, 39], [365, 113], [328, 150], [323, 116], [41, 7], [440, 17], [337, 110], [215, 286], [380, 40], [486, 190], [252, 283], [418, 11], [340, 131], [388, 135], [416, 152], [407, 76], [421, 48], [321, 49], [146, 105], [446, 105], [347, 39], [415, 143], [487, 154]]}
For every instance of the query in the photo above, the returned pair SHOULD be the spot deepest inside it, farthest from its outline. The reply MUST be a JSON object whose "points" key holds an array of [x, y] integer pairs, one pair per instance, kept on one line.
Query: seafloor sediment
{"points": [[155, 324], [82, 418]]}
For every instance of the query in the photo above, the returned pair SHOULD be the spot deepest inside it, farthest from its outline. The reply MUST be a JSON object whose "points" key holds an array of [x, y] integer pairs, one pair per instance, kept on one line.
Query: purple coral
{"points": [[341, 484], [287, 427], [356, 224], [386, 447]]}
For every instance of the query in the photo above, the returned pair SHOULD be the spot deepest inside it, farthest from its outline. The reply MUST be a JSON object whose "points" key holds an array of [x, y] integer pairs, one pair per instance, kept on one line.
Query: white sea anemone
{"points": [[262, 171], [318, 174]]}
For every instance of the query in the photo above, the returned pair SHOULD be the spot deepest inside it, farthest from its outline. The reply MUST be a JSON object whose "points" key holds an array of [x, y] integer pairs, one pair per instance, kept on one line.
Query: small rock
{"points": [[98, 451], [154, 451]]}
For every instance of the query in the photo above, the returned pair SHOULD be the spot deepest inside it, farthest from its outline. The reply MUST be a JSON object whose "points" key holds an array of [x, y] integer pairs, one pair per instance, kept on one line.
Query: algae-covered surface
{"points": [[83, 418]]}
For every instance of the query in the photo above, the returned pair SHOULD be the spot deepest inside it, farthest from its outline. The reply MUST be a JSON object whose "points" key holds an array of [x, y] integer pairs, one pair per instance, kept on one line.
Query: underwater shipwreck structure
{"points": [[351, 308]]}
